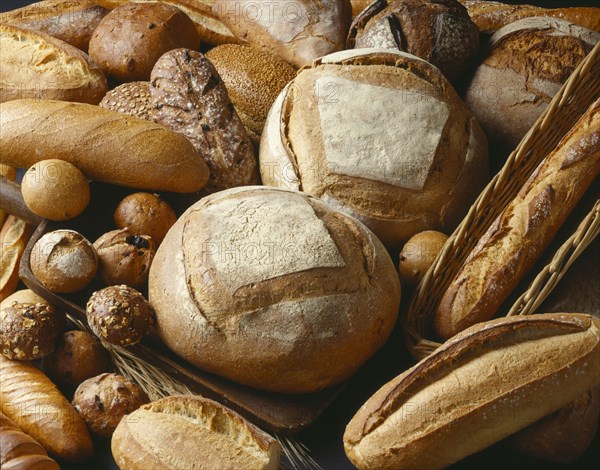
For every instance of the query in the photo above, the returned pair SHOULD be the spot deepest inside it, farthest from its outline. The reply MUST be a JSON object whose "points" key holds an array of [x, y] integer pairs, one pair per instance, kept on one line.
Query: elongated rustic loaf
{"points": [[491, 16], [185, 431], [34, 404], [521, 233], [105, 145], [483, 385], [14, 237], [19, 451]]}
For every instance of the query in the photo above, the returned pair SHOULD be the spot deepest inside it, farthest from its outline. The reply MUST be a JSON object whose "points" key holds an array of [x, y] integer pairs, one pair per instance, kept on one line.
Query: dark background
{"points": [[324, 437]]}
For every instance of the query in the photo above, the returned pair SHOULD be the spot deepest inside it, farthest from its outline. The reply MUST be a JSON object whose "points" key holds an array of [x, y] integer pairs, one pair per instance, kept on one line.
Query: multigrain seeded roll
{"points": [[274, 289], [132, 98]]}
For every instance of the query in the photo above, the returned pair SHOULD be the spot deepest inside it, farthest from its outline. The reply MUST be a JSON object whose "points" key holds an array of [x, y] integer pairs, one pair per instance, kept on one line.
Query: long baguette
{"points": [[486, 383], [19, 451], [9, 173], [489, 17], [521, 233], [14, 236], [34, 404], [105, 145]]}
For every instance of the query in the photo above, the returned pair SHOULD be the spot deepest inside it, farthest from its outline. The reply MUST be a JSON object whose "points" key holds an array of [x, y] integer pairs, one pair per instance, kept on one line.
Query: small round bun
{"points": [[78, 357], [24, 296], [273, 289], [125, 258], [55, 190], [130, 39], [119, 315], [64, 261], [418, 254], [145, 214], [102, 402], [28, 331], [132, 98]]}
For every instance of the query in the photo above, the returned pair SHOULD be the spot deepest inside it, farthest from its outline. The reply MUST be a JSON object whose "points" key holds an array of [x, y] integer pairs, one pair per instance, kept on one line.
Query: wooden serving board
{"points": [[284, 414]]}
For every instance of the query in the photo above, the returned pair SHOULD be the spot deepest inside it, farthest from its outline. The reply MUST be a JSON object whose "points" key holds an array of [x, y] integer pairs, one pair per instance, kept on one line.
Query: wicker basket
{"points": [[573, 99]]}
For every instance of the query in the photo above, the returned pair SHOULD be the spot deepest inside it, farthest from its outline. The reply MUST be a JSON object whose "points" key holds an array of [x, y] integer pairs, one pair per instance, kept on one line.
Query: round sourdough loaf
{"points": [[380, 135], [527, 63], [273, 289]]}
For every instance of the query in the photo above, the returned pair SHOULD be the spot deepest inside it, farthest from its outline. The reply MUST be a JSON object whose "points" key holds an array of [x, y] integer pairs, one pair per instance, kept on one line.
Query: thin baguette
{"points": [[105, 145], [19, 451], [34, 404], [14, 237], [486, 383], [489, 17], [10, 173], [525, 228]]}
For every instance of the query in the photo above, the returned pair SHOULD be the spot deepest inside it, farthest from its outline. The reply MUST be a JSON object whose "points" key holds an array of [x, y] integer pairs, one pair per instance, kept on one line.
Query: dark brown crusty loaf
{"points": [[182, 432], [36, 65], [71, 21], [189, 97], [520, 234], [105, 145], [478, 388], [34, 404], [491, 16], [19, 451]]}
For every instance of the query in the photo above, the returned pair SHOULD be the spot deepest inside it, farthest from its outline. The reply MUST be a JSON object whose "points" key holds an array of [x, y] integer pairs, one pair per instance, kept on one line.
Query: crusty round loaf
{"points": [[274, 289], [380, 135], [253, 79], [526, 64], [182, 432], [439, 31], [36, 65]]}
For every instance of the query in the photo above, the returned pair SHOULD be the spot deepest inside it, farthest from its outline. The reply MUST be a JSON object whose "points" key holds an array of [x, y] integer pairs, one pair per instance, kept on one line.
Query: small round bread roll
{"points": [[526, 64], [418, 254], [441, 32], [253, 78], [131, 98], [55, 190], [102, 402], [130, 39], [24, 296], [273, 289], [119, 315], [78, 357], [380, 135], [28, 331], [64, 261], [125, 258], [146, 214]]}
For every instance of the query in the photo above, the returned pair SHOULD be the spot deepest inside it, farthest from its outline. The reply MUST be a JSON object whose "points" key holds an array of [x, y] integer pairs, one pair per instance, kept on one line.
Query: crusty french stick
{"points": [[14, 236], [478, 388], [10, 173], [34, 404], [105, 145], [520, 234], [19, 451], [71, 21], [491, 16]]}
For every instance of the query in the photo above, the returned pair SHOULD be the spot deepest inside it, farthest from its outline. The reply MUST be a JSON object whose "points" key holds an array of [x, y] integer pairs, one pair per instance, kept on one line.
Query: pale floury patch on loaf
{"points": [[371, 153]]}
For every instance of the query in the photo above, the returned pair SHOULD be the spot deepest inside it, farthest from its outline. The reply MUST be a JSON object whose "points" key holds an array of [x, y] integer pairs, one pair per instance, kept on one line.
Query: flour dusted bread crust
{"points": [[526, 64], [274, 289], [185, 431], [478, 388], [105, 145], [36, 65], [523, 230], [380, 135]]}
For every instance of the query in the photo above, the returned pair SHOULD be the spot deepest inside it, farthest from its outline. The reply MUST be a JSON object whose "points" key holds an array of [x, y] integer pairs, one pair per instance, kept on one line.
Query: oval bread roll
{"points": [[478, 388], [36, 65], [34, 404], [105, 145], [185, 431]]}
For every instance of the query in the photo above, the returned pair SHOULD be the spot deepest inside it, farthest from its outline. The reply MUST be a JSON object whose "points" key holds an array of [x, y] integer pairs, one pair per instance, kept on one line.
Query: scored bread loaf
{"points": [[34, 404], [71, 21], [10, 174], [486, 383], [36, 65], [19, 451], [523, 230], [491, 16], [105, 145], [185, 431], [14, 237]]}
